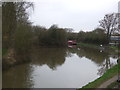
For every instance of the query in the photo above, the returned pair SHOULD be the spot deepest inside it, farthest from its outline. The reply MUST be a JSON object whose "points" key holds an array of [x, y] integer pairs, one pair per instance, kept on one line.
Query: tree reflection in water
{"points": [[102, 59], [24, 75], [17, 78], [52, 57]]}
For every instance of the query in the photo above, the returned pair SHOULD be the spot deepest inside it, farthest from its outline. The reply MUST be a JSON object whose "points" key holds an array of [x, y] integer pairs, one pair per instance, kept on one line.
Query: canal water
{"points": [[70, 67]]}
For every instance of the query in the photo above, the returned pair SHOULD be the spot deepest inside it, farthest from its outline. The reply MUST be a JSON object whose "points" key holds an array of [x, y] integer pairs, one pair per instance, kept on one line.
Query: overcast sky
{"points": [[77, 14]]}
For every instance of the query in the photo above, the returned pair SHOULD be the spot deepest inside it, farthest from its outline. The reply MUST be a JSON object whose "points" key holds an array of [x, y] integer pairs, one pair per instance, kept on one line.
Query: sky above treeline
{"points": [[76, 14]]}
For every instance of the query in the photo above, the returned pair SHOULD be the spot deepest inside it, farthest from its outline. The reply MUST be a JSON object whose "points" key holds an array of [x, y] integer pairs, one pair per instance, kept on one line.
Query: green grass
{"points": [[109, 74], [114, 47], [88, 45]]}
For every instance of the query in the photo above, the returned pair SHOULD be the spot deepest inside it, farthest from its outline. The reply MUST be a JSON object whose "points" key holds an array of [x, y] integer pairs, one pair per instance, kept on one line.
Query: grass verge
{"points": [[109, 74], [114, 47], [96, 46], [88, 45]]}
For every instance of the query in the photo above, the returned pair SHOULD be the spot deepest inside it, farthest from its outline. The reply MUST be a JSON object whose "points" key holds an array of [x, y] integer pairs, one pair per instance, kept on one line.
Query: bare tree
{"points": [[110, 24], [21, 10]]}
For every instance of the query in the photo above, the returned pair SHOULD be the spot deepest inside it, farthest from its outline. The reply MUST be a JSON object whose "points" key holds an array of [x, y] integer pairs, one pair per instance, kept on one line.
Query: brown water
{"points": [[59, 68]]}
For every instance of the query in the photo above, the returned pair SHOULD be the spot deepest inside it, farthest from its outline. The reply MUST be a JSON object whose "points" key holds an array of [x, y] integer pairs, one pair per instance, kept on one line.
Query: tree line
{"points": [[19, 34], [54, 36], [96, 36]]}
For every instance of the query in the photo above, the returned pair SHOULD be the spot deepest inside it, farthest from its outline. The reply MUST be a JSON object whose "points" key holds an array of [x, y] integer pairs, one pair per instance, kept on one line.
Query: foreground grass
{"points": [[109, 74]]}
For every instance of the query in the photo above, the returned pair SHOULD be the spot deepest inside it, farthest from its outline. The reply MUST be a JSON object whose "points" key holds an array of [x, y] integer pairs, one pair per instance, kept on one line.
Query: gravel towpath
{"points": [[108, 82]]}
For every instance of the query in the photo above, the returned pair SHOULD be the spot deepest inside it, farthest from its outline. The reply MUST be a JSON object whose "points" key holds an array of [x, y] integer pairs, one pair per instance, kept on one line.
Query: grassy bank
{"points": [[115, 47], [88, 45], [109, 74]]}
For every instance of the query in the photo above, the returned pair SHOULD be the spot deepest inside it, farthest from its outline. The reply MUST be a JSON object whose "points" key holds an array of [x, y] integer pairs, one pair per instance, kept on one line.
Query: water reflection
{"points": [[52, 57], [17, 77], [107, 64], [71, 46], [105, 60], [92, 54], [60, 68]]}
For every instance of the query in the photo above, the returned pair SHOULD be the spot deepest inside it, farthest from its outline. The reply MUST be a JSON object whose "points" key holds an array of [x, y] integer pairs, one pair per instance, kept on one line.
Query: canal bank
{"points": [[110, 75], [97, 46], [10, 59]]}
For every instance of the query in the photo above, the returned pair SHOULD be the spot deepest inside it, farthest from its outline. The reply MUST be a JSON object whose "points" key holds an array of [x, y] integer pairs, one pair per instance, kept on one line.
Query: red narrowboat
{"points": [[70, 42]]}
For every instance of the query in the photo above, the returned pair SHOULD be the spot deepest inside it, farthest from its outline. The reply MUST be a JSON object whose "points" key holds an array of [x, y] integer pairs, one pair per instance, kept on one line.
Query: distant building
{"points": [[114, 40]]}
